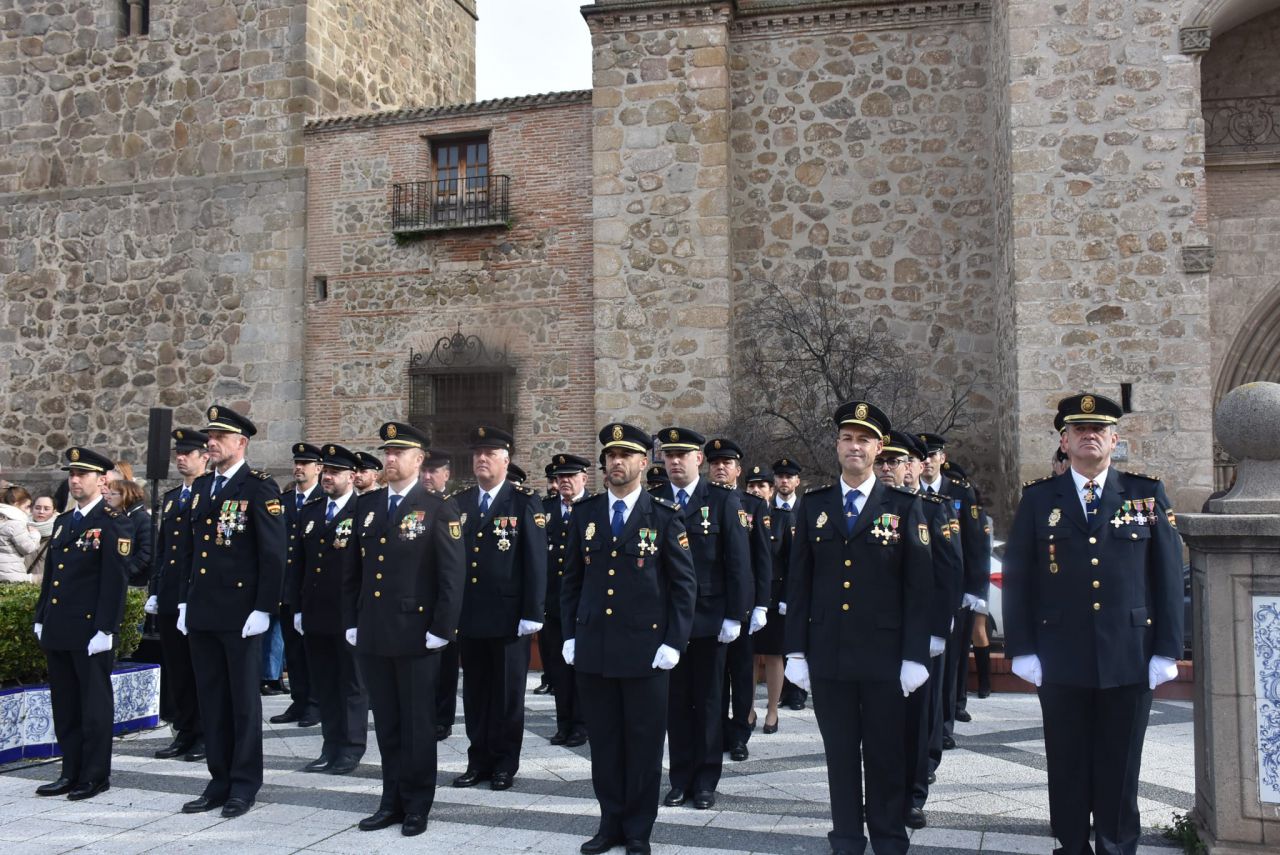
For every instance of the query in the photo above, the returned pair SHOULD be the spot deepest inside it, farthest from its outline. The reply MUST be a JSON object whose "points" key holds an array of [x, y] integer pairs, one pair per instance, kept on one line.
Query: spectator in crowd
{"points": [[43, 514], [129, 499], [17, 537]]}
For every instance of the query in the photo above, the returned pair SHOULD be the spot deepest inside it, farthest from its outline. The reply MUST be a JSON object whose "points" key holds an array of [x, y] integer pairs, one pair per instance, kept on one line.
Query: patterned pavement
{"points": [[990, 797]]}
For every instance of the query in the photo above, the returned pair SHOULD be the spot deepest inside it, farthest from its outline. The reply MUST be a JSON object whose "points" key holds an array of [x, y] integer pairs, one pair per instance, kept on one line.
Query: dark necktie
{"points": [[76, 516], [484, 503], [219, 481], [682, 498], [565, 508], [184, 497], [393, 503], [850, 510], [928, 491], [331, 511], [1092, 498], [298, 499], [786, 506], [618, 522]]}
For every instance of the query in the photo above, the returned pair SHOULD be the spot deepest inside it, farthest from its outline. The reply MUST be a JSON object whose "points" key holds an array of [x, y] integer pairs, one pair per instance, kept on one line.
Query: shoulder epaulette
{"points": [[110, 511], [458, 492], [928, 497], [1144, 475], [963, 482], [666, 503], [520, 488], [729, 487], [1034, 481], [586, 496], [260, 474], [817, 489]]}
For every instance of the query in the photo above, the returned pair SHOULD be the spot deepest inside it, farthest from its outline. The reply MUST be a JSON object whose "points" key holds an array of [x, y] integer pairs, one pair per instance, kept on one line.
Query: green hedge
{"points": [[21, 659]]}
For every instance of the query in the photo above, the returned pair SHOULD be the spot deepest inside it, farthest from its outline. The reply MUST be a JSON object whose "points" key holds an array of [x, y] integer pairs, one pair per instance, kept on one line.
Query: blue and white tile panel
{"points": [[1266, 669]]}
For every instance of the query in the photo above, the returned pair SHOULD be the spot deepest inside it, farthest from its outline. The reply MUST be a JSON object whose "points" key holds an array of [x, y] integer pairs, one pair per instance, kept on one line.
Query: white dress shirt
{"points": [[1100, 479]]}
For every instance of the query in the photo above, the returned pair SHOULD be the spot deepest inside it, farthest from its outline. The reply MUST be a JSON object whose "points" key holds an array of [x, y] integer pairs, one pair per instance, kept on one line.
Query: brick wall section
{"points": [[528, 288], [1107, 159]]}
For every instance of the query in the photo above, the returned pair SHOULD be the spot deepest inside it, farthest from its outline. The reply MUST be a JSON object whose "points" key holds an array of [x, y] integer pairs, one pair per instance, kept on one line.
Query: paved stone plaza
{"points": [[990, 796]]}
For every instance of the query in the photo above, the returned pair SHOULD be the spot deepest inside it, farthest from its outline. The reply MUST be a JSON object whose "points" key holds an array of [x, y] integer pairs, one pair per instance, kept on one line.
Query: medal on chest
{"points": [[885, 529], [413, 524], [90, 540], [706, 520], [231, 520], [505, 529], [648, 544], [341, 533]]}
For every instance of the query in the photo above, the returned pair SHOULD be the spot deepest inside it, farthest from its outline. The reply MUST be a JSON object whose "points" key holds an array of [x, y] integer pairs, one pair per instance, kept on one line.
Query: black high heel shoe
{"points": [[769, 728]]}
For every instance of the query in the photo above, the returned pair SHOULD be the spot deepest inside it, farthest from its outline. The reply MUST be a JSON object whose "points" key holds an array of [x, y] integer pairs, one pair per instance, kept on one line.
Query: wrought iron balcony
{"points": [[451, 203]]}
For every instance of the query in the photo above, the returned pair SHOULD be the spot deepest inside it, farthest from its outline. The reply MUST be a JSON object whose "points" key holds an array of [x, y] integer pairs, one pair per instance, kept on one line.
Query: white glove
{"points": [[982, 608], [759, 617], [527, 627], [1028, 668], [729, 631], [100, 643], [568, 649], [39, 628], [976, 603], [666, 658], [1161, 669], [182, 618], [782, 608], [937, 646], [912, 676], [435, 642], [297, 623], [152, 605], [797, 671], [256, 624], [351, 636]]}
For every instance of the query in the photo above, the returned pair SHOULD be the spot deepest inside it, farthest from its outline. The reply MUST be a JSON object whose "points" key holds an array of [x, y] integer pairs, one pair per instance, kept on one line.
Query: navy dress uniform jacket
{"points": [[717, 525], [503, 586], [557, 551], [168, 568], [622, 599], [1095, 600], [948, 563], [317, 587], [293, 552], [757, 510], [231, 577], [403, 575], [973, 540], [859, 604], [85, 576]]}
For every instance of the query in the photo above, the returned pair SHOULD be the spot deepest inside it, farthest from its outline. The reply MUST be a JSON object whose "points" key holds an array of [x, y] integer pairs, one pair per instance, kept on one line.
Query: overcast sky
{"points": [[525, 47]]}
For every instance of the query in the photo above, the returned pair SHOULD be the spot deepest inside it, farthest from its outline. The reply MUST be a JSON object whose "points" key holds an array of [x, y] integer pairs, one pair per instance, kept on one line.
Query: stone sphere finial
{"points": [[1247, 426]]}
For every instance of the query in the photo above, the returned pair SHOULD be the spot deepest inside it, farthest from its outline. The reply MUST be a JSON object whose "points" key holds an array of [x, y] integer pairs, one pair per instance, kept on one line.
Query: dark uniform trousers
{"points": [[401, 690], [954, 691], [492, 689], [923, 733], [295, 651], [447, 688], [696, 739], [338, 687], [83, 712], [179, 680], [570, 718], [228, 682], [739, 689]]}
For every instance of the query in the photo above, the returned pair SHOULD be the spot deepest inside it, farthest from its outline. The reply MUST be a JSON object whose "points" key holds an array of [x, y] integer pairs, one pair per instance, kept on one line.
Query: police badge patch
{"points": [[273, 507], [455, 530], [923, 529], [124, 546]]}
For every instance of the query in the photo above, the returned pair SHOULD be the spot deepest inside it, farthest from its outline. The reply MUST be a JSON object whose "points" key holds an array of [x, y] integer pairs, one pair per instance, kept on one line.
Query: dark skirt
{"points": [[769, 640]]}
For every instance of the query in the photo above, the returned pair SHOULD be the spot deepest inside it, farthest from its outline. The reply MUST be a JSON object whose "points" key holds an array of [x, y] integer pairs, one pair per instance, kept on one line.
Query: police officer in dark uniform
{"points": [[1093, 617], [724, 465], [435, 472], [366, 474], [570, 472], [236, 546], [402, 592], [306, 491], [977, 575], [656, 476], [628, 595], [78, 618], [178, 680], [719, 542], [768, 642], [786, 485], [858, 605], [504, 529], [325, 534]]}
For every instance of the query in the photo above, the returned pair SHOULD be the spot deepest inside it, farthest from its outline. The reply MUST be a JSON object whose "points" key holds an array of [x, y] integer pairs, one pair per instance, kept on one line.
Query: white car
{"points": [[994, 601]]}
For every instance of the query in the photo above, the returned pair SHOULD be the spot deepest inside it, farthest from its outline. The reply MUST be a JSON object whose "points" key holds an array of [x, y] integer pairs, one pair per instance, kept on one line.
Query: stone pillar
{"points": [[1235, 565], [661, 211]]}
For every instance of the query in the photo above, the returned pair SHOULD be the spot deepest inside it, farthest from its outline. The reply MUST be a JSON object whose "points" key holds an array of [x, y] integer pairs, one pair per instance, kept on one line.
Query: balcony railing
{"points": [[451, 203]]}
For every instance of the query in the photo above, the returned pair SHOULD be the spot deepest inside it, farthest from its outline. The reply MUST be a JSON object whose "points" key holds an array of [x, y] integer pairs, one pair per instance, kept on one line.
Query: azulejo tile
{"points": [[1266, 669]]}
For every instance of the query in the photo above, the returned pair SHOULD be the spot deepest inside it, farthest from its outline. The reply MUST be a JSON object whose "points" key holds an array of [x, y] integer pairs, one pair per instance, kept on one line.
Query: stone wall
{"points": [[527, 288]]}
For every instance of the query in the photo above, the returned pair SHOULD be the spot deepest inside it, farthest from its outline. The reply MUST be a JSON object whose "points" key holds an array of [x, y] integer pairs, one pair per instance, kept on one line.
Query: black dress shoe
{"points": [[560, 738], [289, 716], [575, 740], [320, 764], [915, 818], [796, 706], [470, 778], [55, 788], [380, 819], [542, 689], [343, 765], [983, 694], [236, 806], [173, 749], [637, 847], [88, 791], [443, 732], [948, 743], [675, 797], [414, 824], [933, 779], [739, 751], [202, 804], [600, 843], [501, 781], [272, 687], [704, 799], [963, 715], [196, 754]]}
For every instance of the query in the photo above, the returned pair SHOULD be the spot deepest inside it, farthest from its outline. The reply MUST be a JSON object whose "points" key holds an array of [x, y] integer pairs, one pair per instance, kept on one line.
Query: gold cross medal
{"points": [[500, 529], [706, 520]]}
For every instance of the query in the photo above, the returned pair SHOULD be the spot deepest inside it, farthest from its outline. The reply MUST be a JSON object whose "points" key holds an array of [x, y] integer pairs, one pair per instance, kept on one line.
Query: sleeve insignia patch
{"points": [[124, 545], [684, 540], [1172, 517], [923, 529], [975, 511], [274, 507], [540, 520], [455, 530], [744, 519]]}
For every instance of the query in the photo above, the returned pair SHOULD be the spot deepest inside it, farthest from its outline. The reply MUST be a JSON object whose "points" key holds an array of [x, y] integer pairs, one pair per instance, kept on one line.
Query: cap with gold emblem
{"points": [[516, 475], [337, 457], [436, 457], [401, 435], [624, 436], [484, 436], [186, 439], [932, 442], [954, 470], [365, 460], [900, 444], [862, 414], [549, 471], [86, 460], [567, 464], [758, 473], [228, 420], [786, 466], [1088, 409], [305, 452], [656, 475], [722, 449], [680, 439]]}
